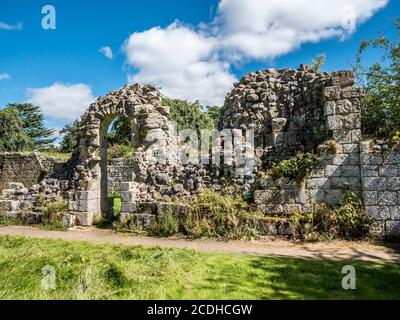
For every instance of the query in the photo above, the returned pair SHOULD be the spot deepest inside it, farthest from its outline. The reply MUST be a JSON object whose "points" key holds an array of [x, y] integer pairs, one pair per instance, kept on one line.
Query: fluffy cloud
{"points": [[9, 27], [258, 29], [4, 76], [194, 63], [181, 61], [107, 52], [62, 101]]}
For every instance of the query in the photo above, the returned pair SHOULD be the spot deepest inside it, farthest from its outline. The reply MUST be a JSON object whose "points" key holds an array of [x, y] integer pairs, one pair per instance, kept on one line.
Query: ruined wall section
{"points": [[285, 108], [322, 117], [26, 169], [380, 167]]}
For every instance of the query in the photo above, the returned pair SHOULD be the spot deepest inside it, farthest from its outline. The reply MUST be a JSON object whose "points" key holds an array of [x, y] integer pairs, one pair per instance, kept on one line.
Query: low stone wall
{"points": [[26, 169], [381, 185]]}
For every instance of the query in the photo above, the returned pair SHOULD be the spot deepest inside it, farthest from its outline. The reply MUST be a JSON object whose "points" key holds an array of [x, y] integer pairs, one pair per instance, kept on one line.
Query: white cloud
{"points": [[9, 27], [181, 61], [107, 52], [62, 101], [4, 76], [259, 29], [194, 63]]}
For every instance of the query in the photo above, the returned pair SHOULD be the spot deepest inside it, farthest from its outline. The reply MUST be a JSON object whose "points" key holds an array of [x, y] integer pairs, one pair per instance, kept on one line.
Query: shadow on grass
{"points": [[286, 278]]}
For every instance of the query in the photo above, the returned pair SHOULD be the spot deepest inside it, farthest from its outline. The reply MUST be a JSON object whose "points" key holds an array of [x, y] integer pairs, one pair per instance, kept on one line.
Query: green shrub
{"points": [[167, 225], [348, 221], [53, 214], [212, 214], [395, 139], [296, 168], [119, 151]]}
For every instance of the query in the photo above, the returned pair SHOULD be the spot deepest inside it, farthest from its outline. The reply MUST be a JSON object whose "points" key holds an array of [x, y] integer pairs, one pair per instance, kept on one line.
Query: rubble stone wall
{"points": [[25, 169], [288, 110]]}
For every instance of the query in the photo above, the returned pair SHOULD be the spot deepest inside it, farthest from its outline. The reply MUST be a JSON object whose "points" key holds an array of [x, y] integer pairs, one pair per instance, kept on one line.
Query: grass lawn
{"points": [[87, 271]]}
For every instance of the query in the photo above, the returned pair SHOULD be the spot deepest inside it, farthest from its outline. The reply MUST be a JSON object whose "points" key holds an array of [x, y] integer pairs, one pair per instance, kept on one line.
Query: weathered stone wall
{"points": [[321, 114], [381, 185], [289, 110], [285, 108], [119, 171], [25, 169]]}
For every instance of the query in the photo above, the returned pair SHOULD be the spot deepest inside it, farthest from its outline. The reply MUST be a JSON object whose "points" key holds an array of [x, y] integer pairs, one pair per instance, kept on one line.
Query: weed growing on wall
{"points": [[53, 214], [211, 214], [348, 221], [296, 168]]}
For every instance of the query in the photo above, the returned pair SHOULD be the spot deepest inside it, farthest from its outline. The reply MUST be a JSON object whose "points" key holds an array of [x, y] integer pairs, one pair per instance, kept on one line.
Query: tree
{"points": [[12, 136], [317, 63], [32, 123], [214, 112], [190, 115], [121, 132], [381, 81], [70, 137]]}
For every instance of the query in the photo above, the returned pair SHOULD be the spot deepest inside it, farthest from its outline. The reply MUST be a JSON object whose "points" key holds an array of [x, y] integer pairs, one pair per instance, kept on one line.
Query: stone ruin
{"points": [[289, 111]]}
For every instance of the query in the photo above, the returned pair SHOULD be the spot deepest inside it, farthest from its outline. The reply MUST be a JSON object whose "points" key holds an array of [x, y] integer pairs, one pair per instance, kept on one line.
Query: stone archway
{"points": [[152, 138]]}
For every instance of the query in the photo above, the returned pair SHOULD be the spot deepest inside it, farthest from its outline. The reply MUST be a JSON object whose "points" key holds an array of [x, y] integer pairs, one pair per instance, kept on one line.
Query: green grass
{"points": [[119, 272], [51, 154]]}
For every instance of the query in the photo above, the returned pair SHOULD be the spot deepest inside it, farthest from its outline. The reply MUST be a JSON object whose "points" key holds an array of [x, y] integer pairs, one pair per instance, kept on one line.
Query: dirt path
{"points": [[333, 250]]}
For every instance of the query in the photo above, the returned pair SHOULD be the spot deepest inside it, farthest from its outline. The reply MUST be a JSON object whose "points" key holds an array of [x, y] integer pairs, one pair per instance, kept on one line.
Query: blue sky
{"points": [[199, 49]]}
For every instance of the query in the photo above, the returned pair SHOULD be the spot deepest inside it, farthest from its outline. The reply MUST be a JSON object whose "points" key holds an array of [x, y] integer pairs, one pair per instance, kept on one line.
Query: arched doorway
{"points": [[142, 106]]}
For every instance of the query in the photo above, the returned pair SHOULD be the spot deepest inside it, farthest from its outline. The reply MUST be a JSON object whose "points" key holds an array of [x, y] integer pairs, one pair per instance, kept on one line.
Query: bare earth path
{"points": [[333, 250]]}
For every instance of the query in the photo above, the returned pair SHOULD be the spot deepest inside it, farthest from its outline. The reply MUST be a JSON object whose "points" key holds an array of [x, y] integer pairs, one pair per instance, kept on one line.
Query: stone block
{"points": [[356, 136], [318, 183], [128, 196], [86, 219], [370, 198], [371, 159], [374, 184], [353, 159], [351, 148], [350, 171], [318, 173], [333, 197], [333, 171], [395, 213], [330, 108], [84, 206], [85, 195], [370, 171], [317, 196], [393, 184], [387, 198], [262, 197], [342, 136], [15, 185], [265, 227], [126, 186], [388, 171], [9, 205], [335, 122], [393, 228], [379, 213], [69, 220], [128, 207], [392, 158], [344, 107]]}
